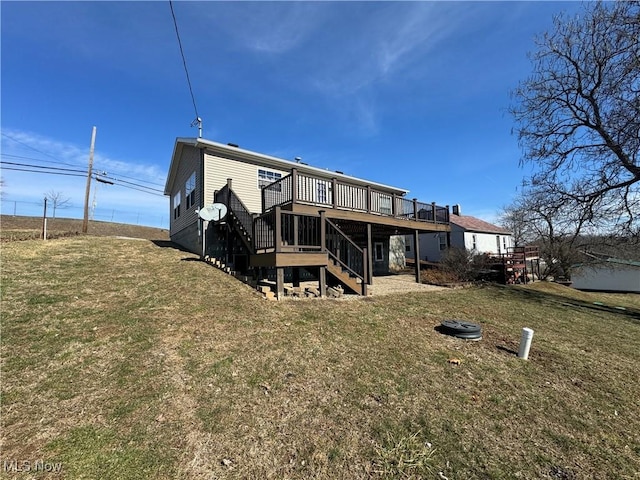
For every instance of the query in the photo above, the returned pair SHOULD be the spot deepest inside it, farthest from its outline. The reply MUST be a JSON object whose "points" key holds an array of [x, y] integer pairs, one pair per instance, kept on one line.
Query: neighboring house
{"points": [[467, 232], [607, 275], [289, 219]]}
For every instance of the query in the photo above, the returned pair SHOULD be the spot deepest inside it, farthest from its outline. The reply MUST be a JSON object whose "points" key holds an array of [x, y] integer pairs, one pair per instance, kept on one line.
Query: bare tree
{"points": [[578, 114], [58, 200], [558, 227]]}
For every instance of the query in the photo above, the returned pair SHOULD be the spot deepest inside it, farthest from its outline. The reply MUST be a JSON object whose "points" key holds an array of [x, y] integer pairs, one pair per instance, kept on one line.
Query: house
{"points": [[467, 232], [607, 274], [286, 219]]}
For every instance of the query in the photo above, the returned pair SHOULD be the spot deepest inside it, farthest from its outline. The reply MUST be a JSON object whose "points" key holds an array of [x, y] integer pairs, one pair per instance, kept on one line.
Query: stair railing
{"points": [[345, 252]]}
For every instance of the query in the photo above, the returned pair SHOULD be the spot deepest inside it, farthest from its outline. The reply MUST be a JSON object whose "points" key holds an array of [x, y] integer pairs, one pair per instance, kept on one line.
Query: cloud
{"points": [[266, 27], [28, 188]]}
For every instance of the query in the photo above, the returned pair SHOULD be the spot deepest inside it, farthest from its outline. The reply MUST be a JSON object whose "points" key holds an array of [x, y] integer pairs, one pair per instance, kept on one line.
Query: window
{"points": [[385, 205], [267, 177], [442, 237], [176, 205], [190, 191], [498, 243], [321, 190], [378, 249], [474, 242]]}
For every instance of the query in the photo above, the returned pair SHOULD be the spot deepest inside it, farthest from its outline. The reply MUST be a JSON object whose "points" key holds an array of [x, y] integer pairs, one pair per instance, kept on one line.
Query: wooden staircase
{"points": [[303, 240]]}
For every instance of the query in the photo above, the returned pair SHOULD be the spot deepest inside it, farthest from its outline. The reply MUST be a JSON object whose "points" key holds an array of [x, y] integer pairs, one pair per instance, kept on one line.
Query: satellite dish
{"points": [[214, 212]]}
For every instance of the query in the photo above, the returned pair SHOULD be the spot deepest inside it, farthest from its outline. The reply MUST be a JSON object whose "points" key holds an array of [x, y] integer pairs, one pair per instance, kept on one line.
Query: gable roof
{"points": [[474, 224], [264, 160]]}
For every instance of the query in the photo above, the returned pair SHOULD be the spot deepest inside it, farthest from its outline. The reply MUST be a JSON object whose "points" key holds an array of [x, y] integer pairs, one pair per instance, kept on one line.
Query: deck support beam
{"points": [[369, 259], [416, 248], [279, 283], [322, 280]]}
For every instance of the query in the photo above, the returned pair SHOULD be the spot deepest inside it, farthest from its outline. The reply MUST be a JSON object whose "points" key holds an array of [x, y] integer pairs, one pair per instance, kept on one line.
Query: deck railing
{"points": [[297, 232], [340, 247], [332, 193]]}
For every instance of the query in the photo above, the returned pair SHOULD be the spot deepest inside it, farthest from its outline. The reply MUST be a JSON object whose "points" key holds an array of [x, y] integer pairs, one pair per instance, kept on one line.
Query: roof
{"points": [[602, 259], [265, 160], [474, 224]]}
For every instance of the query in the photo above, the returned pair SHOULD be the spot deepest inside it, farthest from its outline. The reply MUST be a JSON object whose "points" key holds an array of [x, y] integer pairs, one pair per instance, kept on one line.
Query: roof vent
{"points": [[298, 159]]}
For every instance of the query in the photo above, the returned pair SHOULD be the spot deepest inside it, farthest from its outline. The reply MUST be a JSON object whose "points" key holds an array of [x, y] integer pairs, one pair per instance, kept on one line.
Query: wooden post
{"points": [[279, 282], [323, 231], [447, 217], [44, 220], [368, 198], [322, 279], [278, 229], [294, 185], [85, 221], [394, 209], [334, 192], [296, 231], [369, 255], [365, 268], [433, 212], [415, 209], [416, 248]]}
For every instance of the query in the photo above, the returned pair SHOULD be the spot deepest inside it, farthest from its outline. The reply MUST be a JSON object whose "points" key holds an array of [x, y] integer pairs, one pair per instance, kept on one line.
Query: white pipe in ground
{"points": [[525, 343]]}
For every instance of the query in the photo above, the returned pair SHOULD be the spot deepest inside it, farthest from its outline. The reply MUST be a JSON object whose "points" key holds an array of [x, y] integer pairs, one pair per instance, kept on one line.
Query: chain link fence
{"points": [[36, 209]]}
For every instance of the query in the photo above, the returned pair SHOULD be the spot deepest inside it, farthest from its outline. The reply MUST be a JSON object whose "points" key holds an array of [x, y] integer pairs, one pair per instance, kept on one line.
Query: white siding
{"points": [[244, 177], [616, 279], [430, 243], [487, 242]]}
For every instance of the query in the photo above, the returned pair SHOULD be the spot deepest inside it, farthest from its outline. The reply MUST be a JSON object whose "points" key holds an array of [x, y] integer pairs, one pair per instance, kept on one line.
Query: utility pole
{"points": [[85, 222]]}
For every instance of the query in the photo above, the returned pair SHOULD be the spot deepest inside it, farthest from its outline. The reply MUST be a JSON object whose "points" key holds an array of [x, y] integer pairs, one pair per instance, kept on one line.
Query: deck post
{"points": [[415, 209], [323, 231], [279, 282], [369, 259], [294, 185], [368, 198], [322, 280], [365, 273], [447, 219], [334, 192], [394, 209], [433, 212], [416, 248], [278, 230], [295, 276], [296, 231]]}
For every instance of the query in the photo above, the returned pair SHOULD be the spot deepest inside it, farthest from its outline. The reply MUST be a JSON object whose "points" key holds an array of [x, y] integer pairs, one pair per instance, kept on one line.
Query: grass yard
{"points": [[124, 359]]}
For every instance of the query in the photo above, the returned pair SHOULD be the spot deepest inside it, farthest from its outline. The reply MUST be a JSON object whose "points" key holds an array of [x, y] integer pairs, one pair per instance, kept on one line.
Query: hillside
{"points": [[129, 359], [23, 228]]}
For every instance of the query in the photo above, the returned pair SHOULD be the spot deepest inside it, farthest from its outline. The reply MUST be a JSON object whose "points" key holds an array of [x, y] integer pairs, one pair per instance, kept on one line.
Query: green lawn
{"points": [[123, 359]]}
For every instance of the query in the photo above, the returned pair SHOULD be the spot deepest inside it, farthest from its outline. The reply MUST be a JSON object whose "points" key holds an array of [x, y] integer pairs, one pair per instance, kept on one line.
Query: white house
{"points": [[467, 232], [607, 275]]}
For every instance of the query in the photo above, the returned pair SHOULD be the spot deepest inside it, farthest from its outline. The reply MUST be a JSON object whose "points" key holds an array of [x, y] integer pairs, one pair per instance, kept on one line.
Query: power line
{"points": [[3, 162], [20, 169], [133, 178], [198, 120], [28, 146]]}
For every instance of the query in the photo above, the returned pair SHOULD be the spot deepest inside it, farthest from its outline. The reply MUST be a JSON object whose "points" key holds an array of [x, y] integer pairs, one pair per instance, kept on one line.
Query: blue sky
{"points": [[412, 94]]}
